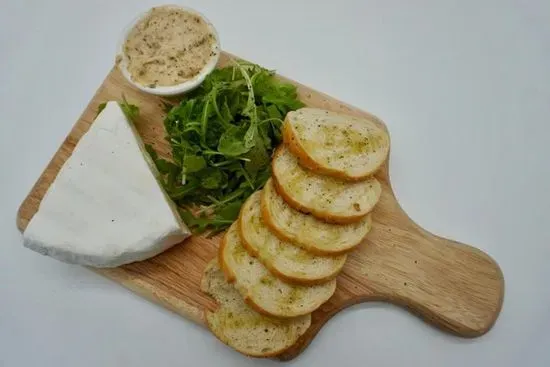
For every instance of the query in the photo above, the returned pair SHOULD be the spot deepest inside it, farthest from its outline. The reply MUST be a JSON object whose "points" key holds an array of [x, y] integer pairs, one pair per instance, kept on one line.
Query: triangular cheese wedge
{"points": [[106, 208]]}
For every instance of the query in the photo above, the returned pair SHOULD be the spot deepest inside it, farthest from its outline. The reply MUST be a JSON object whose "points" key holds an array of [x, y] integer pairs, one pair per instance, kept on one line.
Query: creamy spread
{"points": [[169, 46]]}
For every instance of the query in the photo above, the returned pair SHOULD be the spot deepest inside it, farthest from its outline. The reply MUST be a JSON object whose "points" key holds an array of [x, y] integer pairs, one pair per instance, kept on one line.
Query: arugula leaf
{"points": [[211, 178], [100, 108], [258, 157], [231, 210], [233, 142], [131, 111], [222, 136], [163, 166], [193, 163]]}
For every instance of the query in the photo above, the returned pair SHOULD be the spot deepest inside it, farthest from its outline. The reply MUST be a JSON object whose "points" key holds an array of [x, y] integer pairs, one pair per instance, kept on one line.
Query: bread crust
{"points": [[209, 316], [321, 214], [291, 279], [231, 278], [292, 140], [269, 222]]}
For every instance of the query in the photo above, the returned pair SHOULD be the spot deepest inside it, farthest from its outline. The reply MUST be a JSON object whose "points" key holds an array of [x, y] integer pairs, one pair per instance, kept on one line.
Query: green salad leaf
{"points": [[131, 111], [222, 136]]}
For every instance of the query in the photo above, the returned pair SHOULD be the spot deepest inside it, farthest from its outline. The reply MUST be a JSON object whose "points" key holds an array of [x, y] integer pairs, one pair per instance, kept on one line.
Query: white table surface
{"points": [[464, 87]]}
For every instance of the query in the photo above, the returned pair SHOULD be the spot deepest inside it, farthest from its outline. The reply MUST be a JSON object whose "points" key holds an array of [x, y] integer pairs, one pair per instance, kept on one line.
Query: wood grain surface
{"points": [[450, 285]]}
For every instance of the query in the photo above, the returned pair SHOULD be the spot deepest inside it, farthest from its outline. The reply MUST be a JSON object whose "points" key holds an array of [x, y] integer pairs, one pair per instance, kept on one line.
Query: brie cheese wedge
{"points": [[106, 208]]}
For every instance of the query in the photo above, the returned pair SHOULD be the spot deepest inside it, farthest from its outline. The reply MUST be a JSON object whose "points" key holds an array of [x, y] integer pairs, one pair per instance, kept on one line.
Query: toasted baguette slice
{"points": [[328, 198], [242, 328], [337, 145], [263, 291], [305, 230], [288, 262]]}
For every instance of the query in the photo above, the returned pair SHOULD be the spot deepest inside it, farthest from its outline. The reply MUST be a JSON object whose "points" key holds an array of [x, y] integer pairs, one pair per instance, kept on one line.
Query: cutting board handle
{"points": [[451, 285], [449, 290]]}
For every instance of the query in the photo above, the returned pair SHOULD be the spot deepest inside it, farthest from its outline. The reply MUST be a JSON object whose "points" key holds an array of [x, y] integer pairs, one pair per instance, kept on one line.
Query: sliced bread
{"points": [[305, 230], [242, 328], [334, 144], [287, 261], [263, 291], [328, 198]]}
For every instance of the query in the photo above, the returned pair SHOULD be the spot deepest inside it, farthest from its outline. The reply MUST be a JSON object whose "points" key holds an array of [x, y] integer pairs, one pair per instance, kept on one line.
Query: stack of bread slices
{"points": [[279, 261]]}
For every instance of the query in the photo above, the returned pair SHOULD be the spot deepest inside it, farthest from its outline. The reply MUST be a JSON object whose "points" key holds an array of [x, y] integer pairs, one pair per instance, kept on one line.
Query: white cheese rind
{"points": [[105, 208]]}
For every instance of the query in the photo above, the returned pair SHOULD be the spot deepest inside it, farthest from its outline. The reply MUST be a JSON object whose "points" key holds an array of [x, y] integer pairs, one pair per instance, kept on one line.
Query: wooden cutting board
{"points": [[450, 285]]}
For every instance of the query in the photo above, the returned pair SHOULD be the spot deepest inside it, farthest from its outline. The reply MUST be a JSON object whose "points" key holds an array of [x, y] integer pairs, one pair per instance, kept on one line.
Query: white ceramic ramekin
{"points": [[171, 90]]}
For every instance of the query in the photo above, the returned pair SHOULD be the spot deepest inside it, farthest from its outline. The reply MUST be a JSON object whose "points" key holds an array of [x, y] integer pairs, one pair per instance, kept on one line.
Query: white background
{"points": [[464, 87]]}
